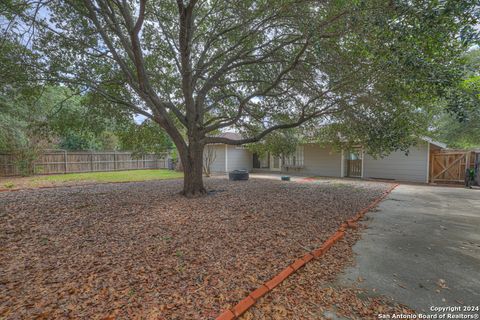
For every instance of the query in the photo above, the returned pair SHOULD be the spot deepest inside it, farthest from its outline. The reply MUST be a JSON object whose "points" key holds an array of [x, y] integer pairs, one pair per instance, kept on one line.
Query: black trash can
{"points": [[171, 164], [237, 175]]}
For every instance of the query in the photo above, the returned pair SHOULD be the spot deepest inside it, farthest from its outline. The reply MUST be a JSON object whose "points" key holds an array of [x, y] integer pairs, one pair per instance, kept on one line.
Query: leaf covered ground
{"points": [[142, 251], [314, 292]]}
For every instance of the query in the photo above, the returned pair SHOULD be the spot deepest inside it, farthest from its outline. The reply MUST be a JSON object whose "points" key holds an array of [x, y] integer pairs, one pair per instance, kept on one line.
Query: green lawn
{"points": [[117, 176]]}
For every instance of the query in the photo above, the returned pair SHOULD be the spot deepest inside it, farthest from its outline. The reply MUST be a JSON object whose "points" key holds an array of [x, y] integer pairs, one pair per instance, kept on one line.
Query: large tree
{"points": [[197, 67]]}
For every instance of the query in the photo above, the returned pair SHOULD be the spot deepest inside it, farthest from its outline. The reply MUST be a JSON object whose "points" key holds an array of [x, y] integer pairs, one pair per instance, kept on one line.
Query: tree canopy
{"points": [[199, 66], [35, 114], [459, 123], [52, 117]]}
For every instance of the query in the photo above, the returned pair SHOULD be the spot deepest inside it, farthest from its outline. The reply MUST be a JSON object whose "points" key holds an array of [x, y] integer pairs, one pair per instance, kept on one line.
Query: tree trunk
{"points": [[192, 160]]}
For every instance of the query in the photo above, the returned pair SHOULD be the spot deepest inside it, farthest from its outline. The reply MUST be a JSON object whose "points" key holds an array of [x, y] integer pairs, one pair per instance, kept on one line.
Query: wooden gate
{"points": [[354, 168], [354, 163], [450, 166]]}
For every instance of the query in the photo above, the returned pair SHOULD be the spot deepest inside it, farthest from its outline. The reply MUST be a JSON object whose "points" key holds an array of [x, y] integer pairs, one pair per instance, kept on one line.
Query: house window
{"points": [[295, 159], [355, 155], [264, 161]]}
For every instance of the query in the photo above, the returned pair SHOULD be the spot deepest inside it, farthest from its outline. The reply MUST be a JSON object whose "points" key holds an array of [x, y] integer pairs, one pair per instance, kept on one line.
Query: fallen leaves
{"points": [[142, 251], [442, 284], [313, 293]]}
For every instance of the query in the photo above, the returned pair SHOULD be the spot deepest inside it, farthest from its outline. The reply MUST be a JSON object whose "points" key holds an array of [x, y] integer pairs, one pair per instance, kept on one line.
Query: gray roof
{"points": [[230, 135], [436, 143]]}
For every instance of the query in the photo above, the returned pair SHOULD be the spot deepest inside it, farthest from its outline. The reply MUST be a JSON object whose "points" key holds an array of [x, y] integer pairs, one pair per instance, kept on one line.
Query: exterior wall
{"points": [[239, 159], [412, 167], [324, 161], [321, 161], [218, 165]]}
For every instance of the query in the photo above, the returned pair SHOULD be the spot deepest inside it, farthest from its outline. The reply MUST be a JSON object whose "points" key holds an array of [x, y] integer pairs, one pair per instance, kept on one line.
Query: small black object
{"points": [[237, 175], [285, 178], [171, 164]]}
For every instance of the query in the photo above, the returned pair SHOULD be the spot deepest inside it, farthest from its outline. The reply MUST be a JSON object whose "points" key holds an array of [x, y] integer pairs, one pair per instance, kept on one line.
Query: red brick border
{"points": [[252, 298]]}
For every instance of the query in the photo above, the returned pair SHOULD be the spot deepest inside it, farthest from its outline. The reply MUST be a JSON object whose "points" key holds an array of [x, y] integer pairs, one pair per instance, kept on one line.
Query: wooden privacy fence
{"points": [[61, 161], [449, 166]]}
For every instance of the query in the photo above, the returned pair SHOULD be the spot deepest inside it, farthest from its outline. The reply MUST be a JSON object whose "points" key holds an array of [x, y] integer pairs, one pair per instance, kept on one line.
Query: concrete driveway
{"points": [[422, 248]]}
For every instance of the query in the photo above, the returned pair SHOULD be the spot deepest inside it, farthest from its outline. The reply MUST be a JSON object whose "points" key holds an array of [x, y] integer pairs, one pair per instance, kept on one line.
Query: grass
{"points": [[9, 185], [116, 176]]}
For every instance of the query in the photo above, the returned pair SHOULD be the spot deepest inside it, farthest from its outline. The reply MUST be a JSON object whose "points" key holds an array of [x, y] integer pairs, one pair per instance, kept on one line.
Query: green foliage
{"points": [[12, 129], [379, 131], [20, 108], [145, 138], [278, 143], [458, 134], [17, 99], [9, 185], [72, 141], [459, 124], [25, 158], [416, 59], [56, 117], [371, 72], [35, 115], [117, 176]]}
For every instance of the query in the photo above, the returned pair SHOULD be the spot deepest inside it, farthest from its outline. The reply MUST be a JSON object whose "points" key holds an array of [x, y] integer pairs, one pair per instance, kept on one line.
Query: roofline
{"points": [[435, 143], [424, 138]]}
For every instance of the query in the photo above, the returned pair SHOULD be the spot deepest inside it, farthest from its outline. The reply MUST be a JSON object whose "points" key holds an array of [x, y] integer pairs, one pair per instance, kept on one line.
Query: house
{"points": [[316, 160]]}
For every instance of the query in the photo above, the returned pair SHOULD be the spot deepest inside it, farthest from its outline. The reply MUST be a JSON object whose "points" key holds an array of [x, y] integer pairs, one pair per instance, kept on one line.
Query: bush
{"points": [[24, 161], [9, 185]]}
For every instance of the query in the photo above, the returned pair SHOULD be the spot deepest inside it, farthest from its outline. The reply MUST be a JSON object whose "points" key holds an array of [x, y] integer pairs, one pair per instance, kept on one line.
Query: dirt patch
{"points": [[140, 250]]}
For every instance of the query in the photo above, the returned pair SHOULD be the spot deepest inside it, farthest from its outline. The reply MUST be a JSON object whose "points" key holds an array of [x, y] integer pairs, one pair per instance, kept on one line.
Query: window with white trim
{"points": [[295, 159]]}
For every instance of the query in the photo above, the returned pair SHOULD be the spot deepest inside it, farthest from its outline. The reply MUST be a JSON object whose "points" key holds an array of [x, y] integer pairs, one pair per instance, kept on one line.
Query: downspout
{"points": [[363, 163], [342, 164]]}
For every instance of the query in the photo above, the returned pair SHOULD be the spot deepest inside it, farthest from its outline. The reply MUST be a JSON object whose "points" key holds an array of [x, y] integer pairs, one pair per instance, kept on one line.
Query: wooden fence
{"points": [[61, 161]]}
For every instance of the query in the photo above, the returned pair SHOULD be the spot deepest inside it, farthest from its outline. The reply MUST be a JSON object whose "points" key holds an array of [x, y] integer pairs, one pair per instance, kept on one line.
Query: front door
{"points": [[261, 161], [275, 163]]}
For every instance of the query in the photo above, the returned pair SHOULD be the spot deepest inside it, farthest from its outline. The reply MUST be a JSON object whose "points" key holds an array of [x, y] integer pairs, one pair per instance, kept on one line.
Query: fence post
{"points": [[114, 160], [65, 158], [467, 162], [91, 161]]}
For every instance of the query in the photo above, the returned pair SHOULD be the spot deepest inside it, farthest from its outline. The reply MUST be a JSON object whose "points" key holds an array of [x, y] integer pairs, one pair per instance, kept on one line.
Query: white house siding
{"points": [[321, 161], [239, 159], [218, 165], [412, 167]]}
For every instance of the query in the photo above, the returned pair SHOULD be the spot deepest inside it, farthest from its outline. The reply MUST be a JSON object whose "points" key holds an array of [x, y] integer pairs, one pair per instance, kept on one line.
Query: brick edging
{"points": [[254, 296]]}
